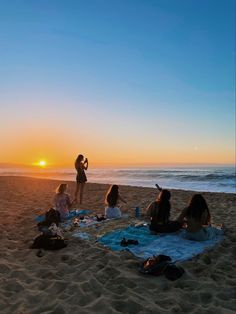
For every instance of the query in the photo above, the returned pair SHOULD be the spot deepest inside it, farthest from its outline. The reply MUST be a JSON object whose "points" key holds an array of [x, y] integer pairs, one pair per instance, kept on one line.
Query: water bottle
{"points": [[137, 211]]}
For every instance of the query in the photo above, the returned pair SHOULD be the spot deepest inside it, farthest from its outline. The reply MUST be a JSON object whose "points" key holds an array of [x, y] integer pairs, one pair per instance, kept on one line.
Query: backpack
{"points": [[51, 216]]}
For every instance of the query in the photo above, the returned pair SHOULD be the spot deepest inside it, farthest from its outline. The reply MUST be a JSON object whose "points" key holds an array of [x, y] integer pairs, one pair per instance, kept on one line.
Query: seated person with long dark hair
{"points": [[159, 213], [198, 219], [112, 198]]}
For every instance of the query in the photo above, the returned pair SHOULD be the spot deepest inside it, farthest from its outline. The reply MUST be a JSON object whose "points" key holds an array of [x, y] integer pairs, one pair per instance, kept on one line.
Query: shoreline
{"points": [[86, 277], [108, 184], [208, 179]]}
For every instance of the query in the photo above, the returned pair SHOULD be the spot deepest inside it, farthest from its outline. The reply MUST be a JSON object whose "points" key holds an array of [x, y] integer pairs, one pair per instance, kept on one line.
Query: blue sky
{"points": [[144, 72]]}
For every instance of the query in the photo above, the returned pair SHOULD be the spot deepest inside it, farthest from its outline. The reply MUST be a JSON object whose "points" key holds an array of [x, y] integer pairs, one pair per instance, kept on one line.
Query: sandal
{"points": [[125, 242]]}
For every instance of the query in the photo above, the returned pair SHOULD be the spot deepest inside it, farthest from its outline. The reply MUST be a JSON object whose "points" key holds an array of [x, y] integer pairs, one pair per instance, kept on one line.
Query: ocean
{"points": [[212, 179]]}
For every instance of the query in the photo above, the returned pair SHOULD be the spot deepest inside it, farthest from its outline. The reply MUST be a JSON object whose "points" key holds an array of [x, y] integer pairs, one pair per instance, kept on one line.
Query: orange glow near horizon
{"points": [[54, 147]]}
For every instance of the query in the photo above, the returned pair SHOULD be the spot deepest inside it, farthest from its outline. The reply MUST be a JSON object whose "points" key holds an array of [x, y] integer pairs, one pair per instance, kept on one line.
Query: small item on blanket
{"points": [[100, 217], [155, 265], [125, 242], [76, 222], [173, 272]]}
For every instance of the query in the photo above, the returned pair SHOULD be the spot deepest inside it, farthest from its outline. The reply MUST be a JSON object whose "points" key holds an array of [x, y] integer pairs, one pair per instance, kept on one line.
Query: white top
{"points": [[112, 212]]}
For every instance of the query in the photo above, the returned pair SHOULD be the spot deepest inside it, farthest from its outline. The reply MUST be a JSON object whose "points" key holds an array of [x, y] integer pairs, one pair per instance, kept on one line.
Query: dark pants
{"points": [[171, 226]]}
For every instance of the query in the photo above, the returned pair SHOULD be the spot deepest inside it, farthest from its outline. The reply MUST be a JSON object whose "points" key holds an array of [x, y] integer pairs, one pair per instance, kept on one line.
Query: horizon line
{"points": [[118, 165]]}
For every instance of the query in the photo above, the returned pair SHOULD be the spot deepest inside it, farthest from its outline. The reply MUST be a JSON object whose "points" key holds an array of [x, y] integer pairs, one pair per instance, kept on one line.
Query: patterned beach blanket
{"points": [[174, 245], [73, 213]]}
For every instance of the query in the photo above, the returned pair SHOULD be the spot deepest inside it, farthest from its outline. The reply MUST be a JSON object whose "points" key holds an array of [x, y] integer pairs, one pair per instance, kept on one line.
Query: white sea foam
{"points": [[213, 179]]}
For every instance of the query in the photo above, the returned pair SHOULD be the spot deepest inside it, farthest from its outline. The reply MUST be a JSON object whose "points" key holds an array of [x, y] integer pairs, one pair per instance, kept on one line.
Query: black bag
{"points": [[161, 264], [173, 272], [46, 242]]}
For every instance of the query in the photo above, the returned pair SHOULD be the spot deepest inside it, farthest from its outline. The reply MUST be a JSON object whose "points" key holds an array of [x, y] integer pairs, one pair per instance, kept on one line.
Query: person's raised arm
{"points": [[85, 165]]}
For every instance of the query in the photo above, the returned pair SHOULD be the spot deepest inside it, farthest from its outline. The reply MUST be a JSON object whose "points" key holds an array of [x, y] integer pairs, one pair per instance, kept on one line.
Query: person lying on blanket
{"points": [[112, 199], [159, 214], [198, 219]]}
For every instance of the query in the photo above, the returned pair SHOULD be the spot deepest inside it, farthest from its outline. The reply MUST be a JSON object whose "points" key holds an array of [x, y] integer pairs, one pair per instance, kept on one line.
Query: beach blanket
{"points": [[81, 235], [76, 222], [73, 213], [77, 213], [174, 245], [87, 221]]}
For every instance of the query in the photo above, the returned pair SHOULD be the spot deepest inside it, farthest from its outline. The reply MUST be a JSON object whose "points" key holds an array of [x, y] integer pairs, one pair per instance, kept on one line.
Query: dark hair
{"points": [[78, 160], [162, 214], [197, 206], [112, 196]]}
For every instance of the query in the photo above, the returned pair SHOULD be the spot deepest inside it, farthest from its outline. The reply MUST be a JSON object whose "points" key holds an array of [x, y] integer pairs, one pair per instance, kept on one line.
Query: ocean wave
{"points": [[219, 179], [209, 177]]}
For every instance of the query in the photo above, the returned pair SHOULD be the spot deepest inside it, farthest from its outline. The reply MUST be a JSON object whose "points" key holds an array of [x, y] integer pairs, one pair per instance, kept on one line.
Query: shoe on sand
{"points": [[39, 253]]}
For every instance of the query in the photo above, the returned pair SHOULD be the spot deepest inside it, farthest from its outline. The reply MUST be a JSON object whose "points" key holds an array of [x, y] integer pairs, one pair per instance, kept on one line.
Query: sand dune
{"points": [[88, 278]]}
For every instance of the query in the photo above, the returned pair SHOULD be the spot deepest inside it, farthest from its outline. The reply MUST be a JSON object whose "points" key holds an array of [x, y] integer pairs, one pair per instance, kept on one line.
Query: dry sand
{"points": [[88, 278]]}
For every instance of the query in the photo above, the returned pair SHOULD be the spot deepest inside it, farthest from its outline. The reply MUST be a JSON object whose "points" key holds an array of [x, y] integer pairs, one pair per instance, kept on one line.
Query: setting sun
{"points": [[41, 163]]}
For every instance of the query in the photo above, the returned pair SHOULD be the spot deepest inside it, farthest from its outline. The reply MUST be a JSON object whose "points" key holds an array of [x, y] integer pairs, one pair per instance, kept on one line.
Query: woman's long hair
{"points": [[196, 207], [78, 161], [162, 214], [61, 188], [112, 196]]}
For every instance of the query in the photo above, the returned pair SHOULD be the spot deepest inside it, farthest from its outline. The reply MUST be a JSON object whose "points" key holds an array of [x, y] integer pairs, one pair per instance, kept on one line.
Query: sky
{"points": [[120, 81]]}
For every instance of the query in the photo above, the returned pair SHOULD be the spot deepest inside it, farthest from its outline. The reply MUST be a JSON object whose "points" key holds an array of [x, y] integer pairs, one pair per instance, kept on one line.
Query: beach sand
{"points": [[85, 277]]}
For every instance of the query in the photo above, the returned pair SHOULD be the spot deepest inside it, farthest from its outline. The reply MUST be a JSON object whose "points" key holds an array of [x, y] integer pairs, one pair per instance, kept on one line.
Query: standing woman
{"points": [[81, 165]]}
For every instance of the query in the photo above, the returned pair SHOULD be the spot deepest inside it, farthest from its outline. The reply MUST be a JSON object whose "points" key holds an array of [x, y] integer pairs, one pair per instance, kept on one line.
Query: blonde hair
{"points": [[61, 188]]}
